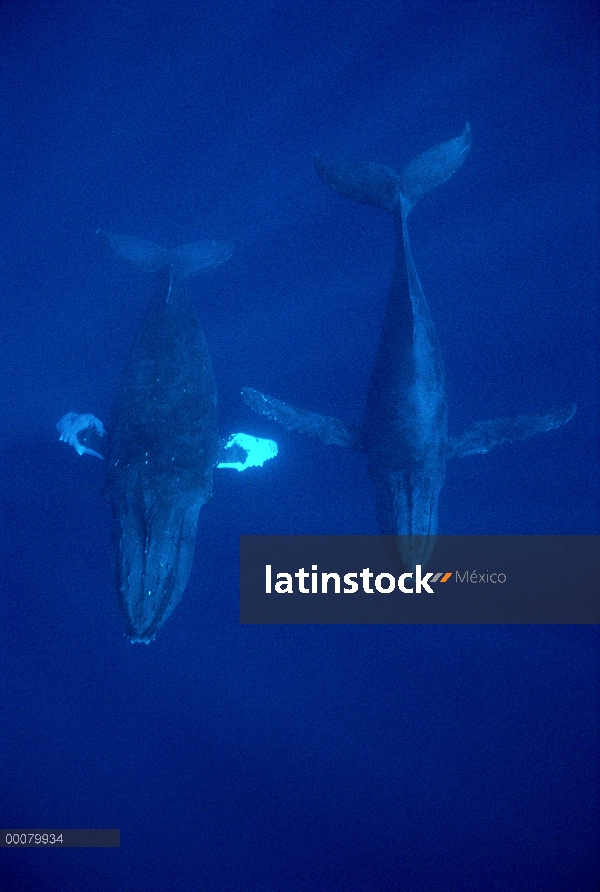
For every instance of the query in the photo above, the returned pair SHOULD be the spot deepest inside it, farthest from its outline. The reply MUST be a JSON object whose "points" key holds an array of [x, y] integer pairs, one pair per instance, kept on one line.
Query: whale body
{"points": [[162, 438], [161, 444], [405, 431]]}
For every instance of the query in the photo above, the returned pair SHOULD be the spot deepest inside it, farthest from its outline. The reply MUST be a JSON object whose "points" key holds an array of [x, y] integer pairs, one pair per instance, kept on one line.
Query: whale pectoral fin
{"points": [[81, 432], [242, 451], [329, 430], [484, 435], [194, 257]]}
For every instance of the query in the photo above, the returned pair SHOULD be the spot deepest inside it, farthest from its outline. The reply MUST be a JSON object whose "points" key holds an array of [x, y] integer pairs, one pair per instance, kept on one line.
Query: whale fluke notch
{"points": [[186, 260], [329, 430], [482, 436]]}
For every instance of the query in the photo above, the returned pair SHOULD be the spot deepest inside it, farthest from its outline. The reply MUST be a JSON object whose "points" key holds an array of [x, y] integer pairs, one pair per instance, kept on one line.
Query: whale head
{"points": [[156, 532]]}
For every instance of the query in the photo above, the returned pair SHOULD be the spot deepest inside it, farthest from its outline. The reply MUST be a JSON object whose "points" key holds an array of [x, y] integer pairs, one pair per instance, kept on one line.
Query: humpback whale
{"points": [[162, 441], [405, 432], [162, 437]]}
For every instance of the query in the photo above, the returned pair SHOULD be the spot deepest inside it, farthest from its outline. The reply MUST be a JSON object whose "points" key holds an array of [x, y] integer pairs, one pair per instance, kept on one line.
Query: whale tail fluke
{"points": [[185, 261], [433, 167], [382, 187]]}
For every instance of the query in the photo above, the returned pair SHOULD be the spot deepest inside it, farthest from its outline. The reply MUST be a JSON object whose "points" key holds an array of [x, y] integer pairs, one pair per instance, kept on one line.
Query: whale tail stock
{"points": [[382, 187], [185, 261]]}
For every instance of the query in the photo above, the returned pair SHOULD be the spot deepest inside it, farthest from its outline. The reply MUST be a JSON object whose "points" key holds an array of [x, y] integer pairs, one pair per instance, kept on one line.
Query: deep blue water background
{"points": [[295, 758]]}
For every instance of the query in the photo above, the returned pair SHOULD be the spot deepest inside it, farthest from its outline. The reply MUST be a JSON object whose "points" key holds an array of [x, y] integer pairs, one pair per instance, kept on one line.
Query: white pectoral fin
{"points": [[242, 451], [330, 430], [76, 430], [484, 435]]}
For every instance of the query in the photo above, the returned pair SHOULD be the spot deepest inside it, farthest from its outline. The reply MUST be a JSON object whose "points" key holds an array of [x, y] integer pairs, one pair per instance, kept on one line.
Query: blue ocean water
{"points": [[263, 759]]}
